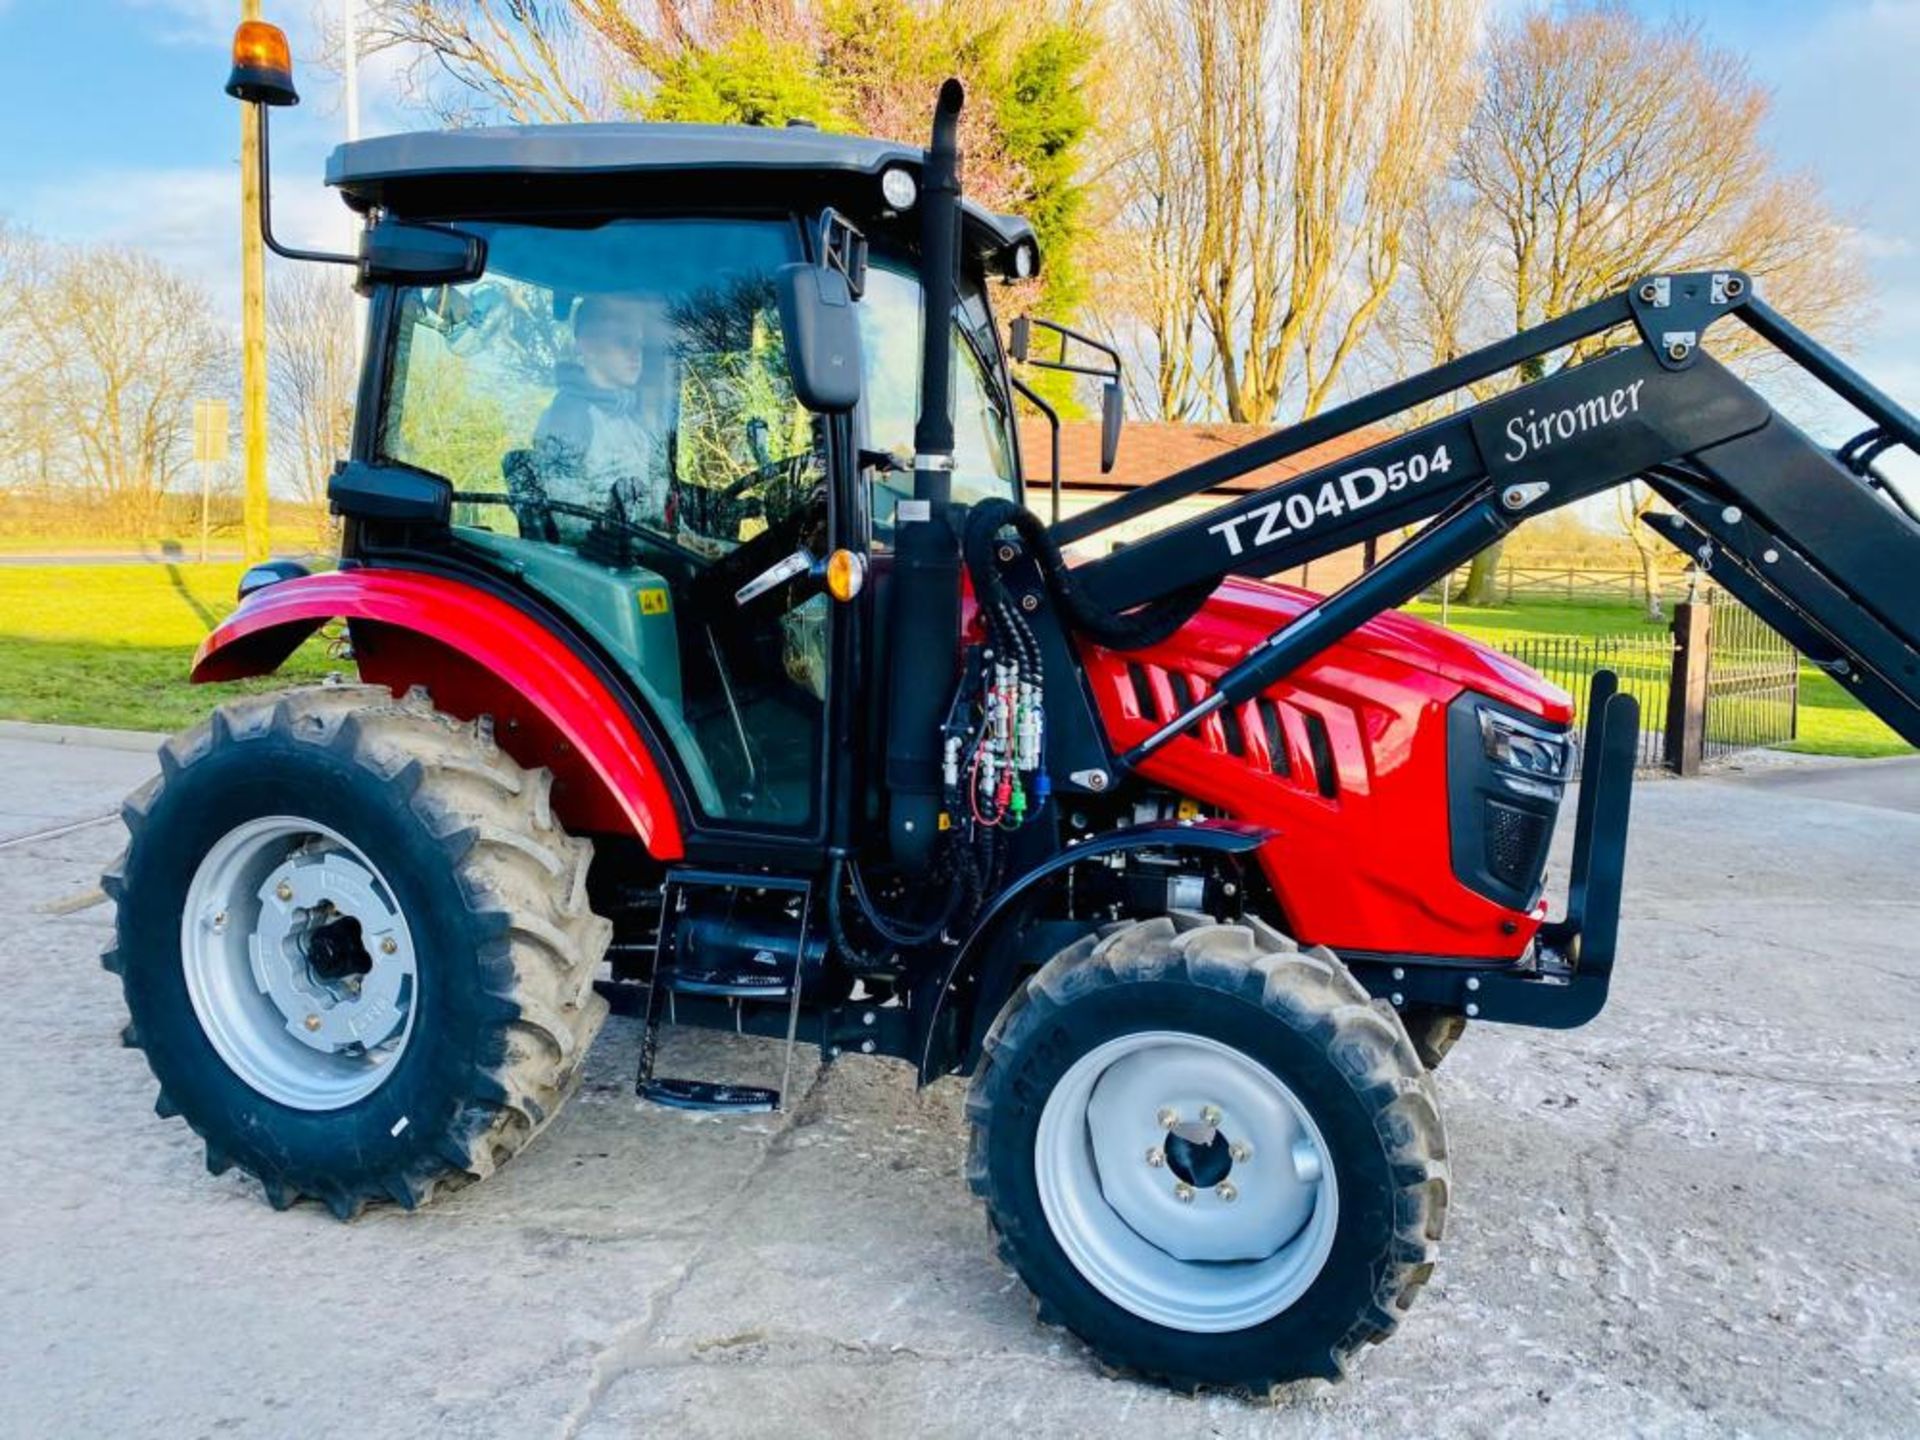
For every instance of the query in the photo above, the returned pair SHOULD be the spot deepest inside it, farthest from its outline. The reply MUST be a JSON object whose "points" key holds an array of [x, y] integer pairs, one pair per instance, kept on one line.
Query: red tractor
{"points": [[710, 668]]}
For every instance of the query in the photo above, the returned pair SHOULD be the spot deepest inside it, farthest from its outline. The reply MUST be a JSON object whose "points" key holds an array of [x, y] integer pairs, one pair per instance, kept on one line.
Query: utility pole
{"points": [[350, 62], [253, 330]]}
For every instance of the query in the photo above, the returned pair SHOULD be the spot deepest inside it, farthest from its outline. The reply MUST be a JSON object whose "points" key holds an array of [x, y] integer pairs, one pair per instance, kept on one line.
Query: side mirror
{"points": [[822, 336], [420, 254], [1113, 414]]}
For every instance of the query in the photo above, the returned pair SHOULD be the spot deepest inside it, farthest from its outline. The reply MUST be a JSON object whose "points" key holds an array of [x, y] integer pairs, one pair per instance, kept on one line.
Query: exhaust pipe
{"points": [[924, 611]]}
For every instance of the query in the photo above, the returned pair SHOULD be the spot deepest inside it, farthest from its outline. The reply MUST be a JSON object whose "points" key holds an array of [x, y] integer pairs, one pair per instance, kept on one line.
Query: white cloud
{"points": [[1879, 245], [189, 219]]}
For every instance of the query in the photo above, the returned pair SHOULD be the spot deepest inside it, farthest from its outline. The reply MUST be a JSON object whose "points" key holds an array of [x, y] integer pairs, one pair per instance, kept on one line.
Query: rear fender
{"points": [[991, 963], [476, 654]]}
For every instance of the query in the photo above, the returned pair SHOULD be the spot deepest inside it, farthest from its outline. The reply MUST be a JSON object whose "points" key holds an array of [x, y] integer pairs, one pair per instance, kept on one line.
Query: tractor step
{"points": [[708, 1095], [750, 930]]}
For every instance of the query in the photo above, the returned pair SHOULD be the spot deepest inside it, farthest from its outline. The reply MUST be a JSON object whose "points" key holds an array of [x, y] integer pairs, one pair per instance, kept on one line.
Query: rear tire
{"points": [[1361, 1187], [412, 841]]}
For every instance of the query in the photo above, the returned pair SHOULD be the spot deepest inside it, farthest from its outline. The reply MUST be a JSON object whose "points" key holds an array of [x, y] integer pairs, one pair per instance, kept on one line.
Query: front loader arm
{"points": [[1824, 555]]}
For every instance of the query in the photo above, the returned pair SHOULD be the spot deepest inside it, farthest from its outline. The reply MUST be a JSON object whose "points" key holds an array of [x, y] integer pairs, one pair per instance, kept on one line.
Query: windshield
{"points": [[891, 327]]}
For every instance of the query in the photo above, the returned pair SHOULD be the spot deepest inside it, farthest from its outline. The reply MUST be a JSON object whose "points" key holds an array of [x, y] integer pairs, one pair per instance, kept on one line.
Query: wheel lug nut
{"points": [[1210, 1115], [1169, 1117], [389, 945], [1156, 1157], [284, 890], [1241, 1152], [313, 1022], [1183, 1192], [1227, 1191], [220, 923]]}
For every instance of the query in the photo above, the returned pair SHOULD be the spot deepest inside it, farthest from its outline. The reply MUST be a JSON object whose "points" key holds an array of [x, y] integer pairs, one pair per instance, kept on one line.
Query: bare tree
{"points": [[313, 349], [118, 347], [26, 439], [1280, 151], [1148, 208], [1603, 149], [530, 61]]}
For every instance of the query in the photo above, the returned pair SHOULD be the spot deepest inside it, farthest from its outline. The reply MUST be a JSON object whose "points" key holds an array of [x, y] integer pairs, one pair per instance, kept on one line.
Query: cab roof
{"points": [[445, 174]]}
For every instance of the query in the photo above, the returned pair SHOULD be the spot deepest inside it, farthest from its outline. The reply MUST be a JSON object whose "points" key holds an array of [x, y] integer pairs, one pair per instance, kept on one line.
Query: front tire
{"points": [[1209, 1154], [355, 945]]}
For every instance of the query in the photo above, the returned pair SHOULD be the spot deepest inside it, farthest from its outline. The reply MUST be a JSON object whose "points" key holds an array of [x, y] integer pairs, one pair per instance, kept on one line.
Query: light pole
{"points": [[350, 60], [253, 331]]}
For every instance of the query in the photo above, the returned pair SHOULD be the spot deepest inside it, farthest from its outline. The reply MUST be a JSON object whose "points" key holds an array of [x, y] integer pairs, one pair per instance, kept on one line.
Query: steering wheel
{"points": [[646, 534], [716, 587], [773, 469]]}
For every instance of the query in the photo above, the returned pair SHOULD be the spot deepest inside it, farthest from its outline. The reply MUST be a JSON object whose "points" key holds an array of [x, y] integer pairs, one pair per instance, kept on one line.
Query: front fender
{"points": [[997, 966], [476, 654]]}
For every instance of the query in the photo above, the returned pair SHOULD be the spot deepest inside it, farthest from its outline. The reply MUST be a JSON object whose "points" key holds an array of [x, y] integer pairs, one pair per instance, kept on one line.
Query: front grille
{"points": [[1516, 843], [1500, 818]]}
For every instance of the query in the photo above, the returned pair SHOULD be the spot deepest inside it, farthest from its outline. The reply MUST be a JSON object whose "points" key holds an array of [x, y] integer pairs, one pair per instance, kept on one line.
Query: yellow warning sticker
{"points": [[654, 602]]}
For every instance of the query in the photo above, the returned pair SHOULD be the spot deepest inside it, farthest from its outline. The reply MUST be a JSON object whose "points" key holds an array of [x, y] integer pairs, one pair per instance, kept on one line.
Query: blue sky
{"points": [[113, 126]]}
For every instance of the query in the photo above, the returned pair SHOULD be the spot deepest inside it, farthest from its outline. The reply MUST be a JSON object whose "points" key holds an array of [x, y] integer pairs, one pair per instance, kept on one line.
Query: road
{"points": [[1693, 1217]]}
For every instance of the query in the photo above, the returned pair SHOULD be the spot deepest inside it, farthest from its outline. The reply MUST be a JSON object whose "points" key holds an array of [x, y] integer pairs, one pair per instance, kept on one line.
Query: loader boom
{"points": [[1818, 546]]}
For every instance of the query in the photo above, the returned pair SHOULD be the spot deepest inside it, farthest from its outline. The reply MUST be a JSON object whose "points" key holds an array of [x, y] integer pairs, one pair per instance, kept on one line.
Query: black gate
{"points": [[1753, 682], [1718, 682]]}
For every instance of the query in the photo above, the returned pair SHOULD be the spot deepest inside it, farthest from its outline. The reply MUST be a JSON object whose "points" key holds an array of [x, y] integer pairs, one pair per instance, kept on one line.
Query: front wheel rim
{"points": [[1186, 1182], [299, 963]]}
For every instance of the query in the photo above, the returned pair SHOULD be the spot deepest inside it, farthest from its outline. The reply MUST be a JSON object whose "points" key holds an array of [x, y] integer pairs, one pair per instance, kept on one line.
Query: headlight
{"points": [[1526, 749]]}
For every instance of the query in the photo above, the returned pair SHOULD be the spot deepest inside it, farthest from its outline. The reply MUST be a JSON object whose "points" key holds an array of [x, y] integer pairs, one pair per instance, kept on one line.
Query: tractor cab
{"points": [[604, 415]]}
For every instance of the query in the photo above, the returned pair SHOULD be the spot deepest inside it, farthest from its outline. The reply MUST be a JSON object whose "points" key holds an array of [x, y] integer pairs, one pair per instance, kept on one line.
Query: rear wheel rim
{"points": [[299, 962], [1186, 1182]]}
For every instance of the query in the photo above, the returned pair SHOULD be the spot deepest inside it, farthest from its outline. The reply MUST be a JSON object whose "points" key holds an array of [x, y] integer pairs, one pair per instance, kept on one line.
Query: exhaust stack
{"points": [[924, 613]]}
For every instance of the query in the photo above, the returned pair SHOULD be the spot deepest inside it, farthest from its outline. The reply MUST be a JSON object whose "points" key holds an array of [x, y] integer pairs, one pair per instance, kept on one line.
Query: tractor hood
{"points": [[1242, 613]]}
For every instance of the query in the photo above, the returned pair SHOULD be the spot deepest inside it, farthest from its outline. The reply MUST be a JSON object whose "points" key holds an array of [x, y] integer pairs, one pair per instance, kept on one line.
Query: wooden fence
{"points": [[1575, 582]]}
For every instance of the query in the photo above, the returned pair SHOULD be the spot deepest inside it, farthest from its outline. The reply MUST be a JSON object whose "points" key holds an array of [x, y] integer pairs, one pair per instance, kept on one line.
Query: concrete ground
{"points": [[1694, 1217]]}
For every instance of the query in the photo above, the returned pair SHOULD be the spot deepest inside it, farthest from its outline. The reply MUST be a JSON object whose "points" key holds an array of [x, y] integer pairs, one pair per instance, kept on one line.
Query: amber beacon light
{"points": [[262, 65]]}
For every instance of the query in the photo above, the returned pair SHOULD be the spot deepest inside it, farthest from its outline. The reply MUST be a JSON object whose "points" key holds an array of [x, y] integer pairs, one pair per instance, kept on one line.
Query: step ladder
{"points": [[769, 977]]}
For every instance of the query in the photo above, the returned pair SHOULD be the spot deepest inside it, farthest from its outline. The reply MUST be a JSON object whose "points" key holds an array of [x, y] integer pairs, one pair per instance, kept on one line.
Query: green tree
{"points": [[752, 79], [1040, 98], [866, 66]]}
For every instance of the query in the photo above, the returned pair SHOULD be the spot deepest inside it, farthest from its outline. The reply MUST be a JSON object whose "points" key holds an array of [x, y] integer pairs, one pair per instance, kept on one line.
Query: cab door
{"points": [[612, 405]]}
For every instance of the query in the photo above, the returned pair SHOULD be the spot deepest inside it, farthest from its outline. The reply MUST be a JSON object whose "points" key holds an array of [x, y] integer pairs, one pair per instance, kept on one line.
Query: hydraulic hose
{"points": [[1128, 630]]}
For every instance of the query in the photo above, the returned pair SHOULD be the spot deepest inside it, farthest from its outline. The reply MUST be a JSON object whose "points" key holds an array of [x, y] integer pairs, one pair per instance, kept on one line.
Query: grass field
{"points": [[110, 645], [1831, 721]]}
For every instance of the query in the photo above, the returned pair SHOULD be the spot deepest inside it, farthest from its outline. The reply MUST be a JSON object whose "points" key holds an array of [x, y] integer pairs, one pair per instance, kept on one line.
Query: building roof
{"points": [[1153, 449]]}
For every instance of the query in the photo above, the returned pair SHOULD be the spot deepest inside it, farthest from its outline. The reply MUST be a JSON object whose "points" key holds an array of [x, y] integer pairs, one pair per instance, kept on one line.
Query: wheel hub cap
{"points": [[1185, 1181], [1266, 1205], [298, 960], [315, 912]]}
